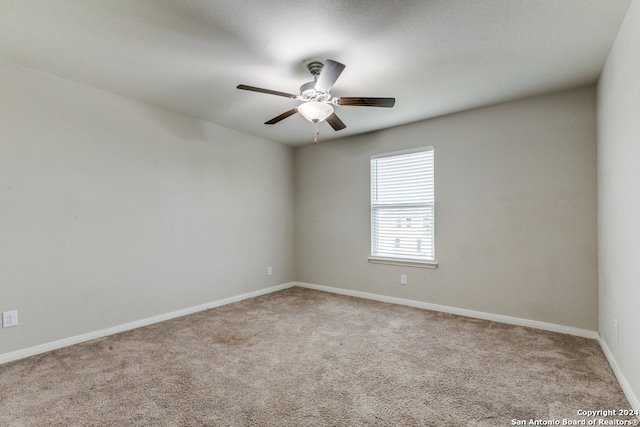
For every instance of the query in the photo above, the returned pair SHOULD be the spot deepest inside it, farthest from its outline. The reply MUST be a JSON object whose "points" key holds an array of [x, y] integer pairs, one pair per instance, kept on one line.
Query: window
{"points": [[402, 208]]}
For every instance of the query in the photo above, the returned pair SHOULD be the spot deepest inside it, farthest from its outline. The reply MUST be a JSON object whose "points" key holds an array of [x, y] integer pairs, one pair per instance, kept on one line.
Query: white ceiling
{"points": [[434, 56]]}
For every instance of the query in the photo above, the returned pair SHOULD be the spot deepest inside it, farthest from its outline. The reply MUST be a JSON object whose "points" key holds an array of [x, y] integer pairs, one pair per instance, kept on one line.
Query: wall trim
{"points": [[65, 342], [551, 327], [626, 388], [584, 333]]}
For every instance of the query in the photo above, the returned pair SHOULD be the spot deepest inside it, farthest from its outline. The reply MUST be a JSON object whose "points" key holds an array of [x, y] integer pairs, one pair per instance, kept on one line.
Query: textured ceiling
{"points": [[435, 57]]}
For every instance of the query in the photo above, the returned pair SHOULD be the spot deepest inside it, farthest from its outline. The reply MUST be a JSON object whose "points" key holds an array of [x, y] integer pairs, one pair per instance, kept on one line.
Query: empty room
{"points": [[331, 213]]}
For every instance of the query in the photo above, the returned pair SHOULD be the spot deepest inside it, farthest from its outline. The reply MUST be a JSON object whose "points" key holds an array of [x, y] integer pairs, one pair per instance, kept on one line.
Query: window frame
{"points": [[387, 258]]}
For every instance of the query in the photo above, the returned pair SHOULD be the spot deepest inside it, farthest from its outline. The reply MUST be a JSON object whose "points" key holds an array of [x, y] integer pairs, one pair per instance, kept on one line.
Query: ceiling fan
{"points": [[317, 103]]}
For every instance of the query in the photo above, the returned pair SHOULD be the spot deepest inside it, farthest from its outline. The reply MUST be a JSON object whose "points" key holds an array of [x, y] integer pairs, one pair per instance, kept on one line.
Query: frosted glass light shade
{"points": [[315, 111]]}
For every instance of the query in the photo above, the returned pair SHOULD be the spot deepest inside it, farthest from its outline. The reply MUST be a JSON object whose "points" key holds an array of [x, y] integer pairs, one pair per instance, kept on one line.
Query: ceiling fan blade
{"points": [[367, 102], [282, 116], [269, 91], [335, 122], [328, 76]]}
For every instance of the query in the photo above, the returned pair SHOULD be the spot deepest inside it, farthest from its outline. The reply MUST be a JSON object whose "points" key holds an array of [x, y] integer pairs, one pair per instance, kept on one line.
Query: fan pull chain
{"points": [[315, 139]]}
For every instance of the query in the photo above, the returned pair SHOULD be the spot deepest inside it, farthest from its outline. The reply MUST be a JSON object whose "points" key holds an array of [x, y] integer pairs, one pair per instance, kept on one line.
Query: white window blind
{"points": [[402, 205]]}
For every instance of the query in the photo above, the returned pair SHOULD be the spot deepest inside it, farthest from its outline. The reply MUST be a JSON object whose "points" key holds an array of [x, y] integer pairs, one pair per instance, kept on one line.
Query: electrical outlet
{"points": [[9, 318], [615, 328], [269, 271], [403, 279]]}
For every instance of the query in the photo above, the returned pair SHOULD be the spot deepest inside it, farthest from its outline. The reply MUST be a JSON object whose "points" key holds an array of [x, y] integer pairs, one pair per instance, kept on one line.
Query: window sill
{"points": [[405, 262]]}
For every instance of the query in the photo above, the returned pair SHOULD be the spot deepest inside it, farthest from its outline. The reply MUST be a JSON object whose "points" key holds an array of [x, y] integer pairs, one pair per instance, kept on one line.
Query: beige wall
{"points": [[515, 211], [619, 200], [113, 211]]}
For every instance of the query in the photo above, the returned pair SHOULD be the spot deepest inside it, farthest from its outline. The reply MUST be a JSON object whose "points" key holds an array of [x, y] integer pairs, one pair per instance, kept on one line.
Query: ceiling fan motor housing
{"points": [[307, 87], [308, 92]]}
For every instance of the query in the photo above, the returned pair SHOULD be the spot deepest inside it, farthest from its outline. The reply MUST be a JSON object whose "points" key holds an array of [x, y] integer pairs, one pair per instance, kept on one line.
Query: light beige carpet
{"points": [[301, 357]]}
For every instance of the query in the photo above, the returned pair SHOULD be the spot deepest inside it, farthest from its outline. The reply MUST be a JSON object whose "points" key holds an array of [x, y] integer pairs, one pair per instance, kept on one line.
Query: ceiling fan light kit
{"points": [[317, 103], [315, 111]]}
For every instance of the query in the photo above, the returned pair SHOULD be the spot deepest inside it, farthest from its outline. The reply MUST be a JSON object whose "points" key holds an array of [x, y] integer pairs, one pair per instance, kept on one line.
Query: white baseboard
{"points": [[32, 351], [633, 399], [585, 333], [42, 348]]}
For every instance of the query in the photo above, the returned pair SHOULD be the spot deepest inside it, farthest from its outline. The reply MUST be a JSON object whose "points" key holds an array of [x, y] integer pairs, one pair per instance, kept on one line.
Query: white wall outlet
{"points": [[269, 271], [9, 318], [403, 279]]}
